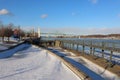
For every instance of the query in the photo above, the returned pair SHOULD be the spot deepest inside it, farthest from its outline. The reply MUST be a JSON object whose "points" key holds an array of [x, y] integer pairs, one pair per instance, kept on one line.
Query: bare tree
{"points": [[9, 31], [22, 34], [2, 32]]}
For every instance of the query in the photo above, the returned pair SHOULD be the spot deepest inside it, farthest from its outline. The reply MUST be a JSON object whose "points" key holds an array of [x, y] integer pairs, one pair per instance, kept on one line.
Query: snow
{"points": [[33, 63], [27, 62], [64, 52], [3, 47], [107, 75], [93, 70], [10, 52], [10, 38]]}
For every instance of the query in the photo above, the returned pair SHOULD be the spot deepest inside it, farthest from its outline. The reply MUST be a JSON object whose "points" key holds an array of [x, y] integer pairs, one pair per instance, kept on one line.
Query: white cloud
{"points": [[43, 16], [5, 12], [93, 1]]}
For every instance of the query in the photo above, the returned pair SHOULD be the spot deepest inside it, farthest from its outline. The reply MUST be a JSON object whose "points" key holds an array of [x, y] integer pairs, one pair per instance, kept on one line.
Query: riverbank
{"points": [[114, 68]]}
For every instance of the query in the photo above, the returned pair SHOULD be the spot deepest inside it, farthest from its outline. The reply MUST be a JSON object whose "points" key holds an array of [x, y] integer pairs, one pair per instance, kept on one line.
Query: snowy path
{"points": [[34, 64]]}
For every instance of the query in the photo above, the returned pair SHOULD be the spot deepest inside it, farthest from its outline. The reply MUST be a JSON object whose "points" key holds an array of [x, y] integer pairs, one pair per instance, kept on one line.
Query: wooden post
{"points": [[110, 61], [64, 45], [111, 56], [111, 52], [61, 44], [77, 47], [90, 47], [103, 46], [83, 47], [93, 51], [73, 46], [69, 45], [90, 50], [102, 53]]}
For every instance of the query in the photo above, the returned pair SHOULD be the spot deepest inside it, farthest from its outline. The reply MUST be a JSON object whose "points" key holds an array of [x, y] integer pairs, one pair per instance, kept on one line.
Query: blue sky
{"points": [[64, 16]]}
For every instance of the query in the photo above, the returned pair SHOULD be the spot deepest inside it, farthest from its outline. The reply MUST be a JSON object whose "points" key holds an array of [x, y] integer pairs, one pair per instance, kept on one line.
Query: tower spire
{"points": [[38, 32]]}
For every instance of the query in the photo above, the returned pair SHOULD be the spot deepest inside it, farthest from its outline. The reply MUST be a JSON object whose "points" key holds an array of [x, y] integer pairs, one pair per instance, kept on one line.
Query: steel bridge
{"points": [[56, 34]]}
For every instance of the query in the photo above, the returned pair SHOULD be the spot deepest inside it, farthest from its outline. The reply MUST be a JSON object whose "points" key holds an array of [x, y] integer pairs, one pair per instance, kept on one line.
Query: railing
{"points": [[110, 46]]}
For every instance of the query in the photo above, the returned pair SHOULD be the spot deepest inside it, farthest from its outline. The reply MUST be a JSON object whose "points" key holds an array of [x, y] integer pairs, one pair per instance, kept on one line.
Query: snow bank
{"points": [[93, 70], [10, 52], [64, 52], [3, 47], [34, 64], [107, 75]]}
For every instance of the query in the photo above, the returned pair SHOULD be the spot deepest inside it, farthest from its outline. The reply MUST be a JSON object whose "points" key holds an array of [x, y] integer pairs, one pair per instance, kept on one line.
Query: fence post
{"points": [[111, 56], [62, 44], [90, 47], [103, 46], [83, 47], [77, 47], [68, 45], [111, 53], [93, 51], [73, 46]]}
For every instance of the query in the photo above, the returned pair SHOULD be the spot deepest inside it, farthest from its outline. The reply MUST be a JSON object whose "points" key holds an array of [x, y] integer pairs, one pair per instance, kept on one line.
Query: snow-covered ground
{"points": [[3, 47], [11, 39], [93, 70], [107, 75], [33, 63], [29, 62], [11, 52]]}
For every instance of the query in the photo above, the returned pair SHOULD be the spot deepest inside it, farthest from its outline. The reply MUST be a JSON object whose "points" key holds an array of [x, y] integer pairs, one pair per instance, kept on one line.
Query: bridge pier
{"points": [[58, 43]]}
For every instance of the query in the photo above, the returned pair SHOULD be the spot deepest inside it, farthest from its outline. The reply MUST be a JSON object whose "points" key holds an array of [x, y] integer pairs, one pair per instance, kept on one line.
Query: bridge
{"points": [[57, 34]]}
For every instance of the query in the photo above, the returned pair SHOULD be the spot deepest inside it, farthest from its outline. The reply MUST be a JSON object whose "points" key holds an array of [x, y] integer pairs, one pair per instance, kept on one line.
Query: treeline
{"points": [[10, 30], [101, 36]]}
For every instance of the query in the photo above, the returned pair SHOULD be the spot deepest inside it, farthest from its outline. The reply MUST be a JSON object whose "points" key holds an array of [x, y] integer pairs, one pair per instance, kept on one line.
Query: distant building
{"points": [[16, 33]]}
